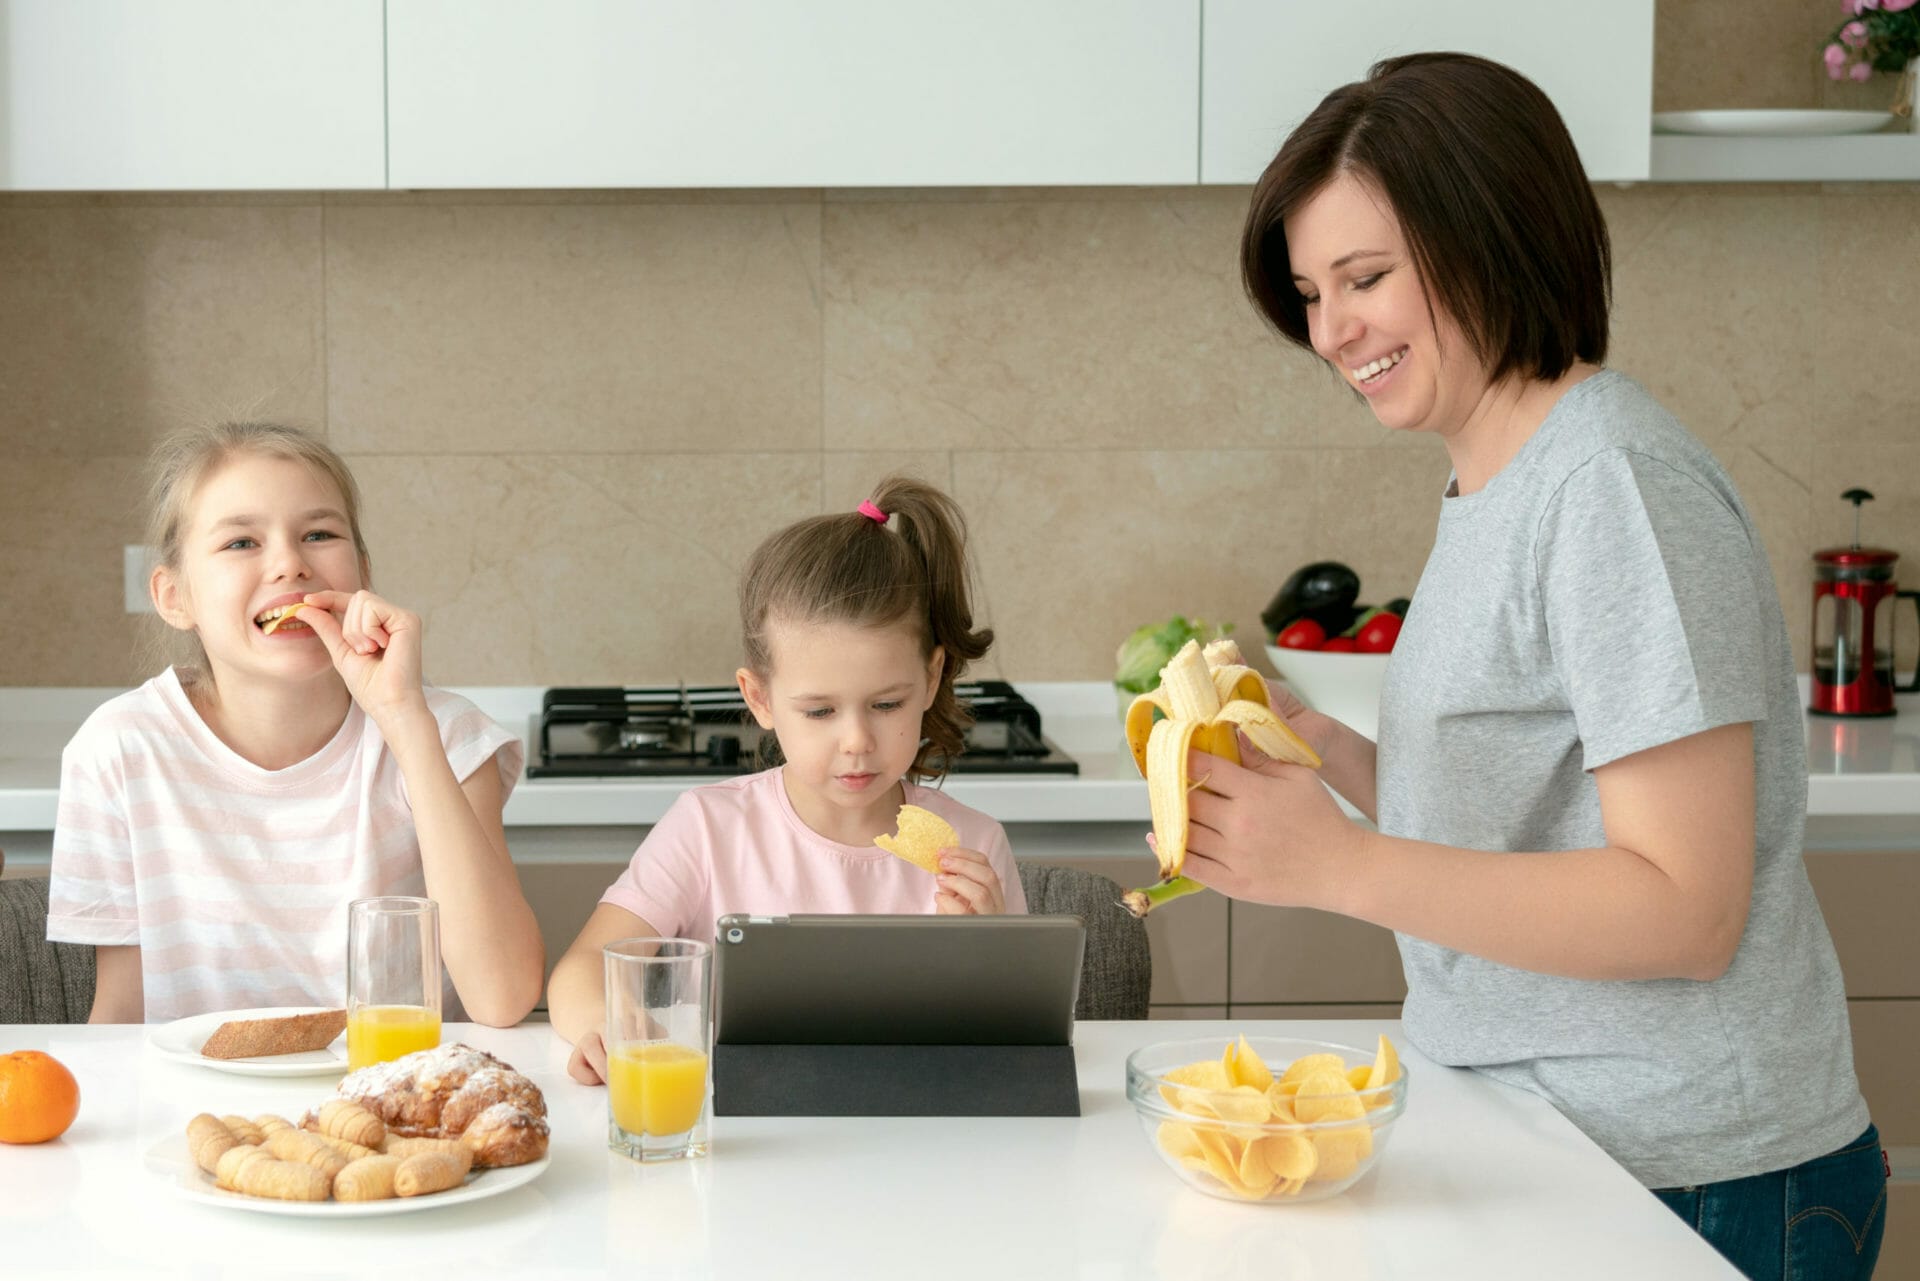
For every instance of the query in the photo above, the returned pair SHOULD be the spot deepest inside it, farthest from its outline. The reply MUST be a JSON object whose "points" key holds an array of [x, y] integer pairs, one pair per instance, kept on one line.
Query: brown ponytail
{"points": [[850, 568]]}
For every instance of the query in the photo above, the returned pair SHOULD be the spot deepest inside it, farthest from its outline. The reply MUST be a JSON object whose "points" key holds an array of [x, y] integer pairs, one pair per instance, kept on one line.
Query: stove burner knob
{"points": [[723, 749]]}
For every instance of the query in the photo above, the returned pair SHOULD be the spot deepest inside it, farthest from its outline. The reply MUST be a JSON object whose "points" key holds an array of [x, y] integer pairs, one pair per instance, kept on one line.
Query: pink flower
{"points": [[1895, 6], [1860, 71], [1854, 35], [1836, 57]]}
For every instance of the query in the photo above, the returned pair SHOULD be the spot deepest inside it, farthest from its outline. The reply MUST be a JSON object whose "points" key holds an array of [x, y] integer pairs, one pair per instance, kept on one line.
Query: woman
{"points": [[1590, 782]]}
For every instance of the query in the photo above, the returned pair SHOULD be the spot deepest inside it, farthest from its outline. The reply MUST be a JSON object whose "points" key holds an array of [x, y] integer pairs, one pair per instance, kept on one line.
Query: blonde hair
{"points": [[182, 464], [850, 568]]}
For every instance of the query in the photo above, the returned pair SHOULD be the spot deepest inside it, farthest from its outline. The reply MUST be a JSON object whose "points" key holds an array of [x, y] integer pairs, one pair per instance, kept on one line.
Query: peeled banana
{"points": [[1205, 700]]}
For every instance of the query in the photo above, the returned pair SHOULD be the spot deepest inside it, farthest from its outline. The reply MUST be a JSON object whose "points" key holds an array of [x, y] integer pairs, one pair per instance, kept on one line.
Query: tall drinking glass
{"points": [[393, 978], [658, 992]]}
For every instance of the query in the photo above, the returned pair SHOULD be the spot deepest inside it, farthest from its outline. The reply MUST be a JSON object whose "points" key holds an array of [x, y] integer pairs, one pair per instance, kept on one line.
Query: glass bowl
{"points": [[1326, 1141]]}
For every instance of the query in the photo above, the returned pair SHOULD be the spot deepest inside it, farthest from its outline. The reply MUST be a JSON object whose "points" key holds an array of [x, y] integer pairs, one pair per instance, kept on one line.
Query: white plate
{"points": [[1770, 123], [181, 1040], [171, 1161]]}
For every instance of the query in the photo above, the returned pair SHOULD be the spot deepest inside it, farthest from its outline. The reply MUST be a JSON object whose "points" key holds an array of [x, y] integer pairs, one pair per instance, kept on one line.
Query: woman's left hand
{"points": [[375, 646], [968, 885], [1266, 831]]}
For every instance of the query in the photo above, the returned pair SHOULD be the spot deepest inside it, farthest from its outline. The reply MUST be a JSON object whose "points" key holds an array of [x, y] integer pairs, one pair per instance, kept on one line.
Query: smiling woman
{"points": [[1589, 782]]}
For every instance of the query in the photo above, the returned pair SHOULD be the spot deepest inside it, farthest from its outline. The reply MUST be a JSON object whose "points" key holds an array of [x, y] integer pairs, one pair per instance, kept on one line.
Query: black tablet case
{"points": [[896, 1016]]}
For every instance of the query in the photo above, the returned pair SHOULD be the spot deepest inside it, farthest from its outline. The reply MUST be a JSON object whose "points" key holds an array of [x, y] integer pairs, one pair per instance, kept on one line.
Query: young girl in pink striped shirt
{"points": [[215, 822]]}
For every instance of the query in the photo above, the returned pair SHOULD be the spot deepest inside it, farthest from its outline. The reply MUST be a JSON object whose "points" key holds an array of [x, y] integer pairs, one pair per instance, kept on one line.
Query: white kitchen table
{"points": [[1478, 1181]]}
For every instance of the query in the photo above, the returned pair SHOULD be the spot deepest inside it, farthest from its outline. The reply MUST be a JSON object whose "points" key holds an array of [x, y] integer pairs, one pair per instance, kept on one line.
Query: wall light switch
{"points": [[138, 567]]}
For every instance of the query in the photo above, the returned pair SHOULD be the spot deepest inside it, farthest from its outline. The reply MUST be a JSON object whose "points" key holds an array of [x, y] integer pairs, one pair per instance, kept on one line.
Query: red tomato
{"points": [[1378, 636], [1301, 633], [1339, 645]]}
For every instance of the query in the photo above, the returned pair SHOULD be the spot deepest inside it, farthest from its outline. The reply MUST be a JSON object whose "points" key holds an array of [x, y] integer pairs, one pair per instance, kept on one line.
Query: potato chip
{"points": [[1254, 1171], [1386, 1066], [1357, 1076], [1291, 1156], [1244, 1067], [1341, 1151], [921, 836], [1178, 1140], [1194, 1102], [274, 624], [1327, 1096], [1243, 1105], [1221, 1154], [1298, 1069], [1208, 1074], [1280, 1101]]}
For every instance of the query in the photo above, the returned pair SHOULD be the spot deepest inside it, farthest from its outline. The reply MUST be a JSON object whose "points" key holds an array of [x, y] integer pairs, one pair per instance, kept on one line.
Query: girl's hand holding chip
{"points": [[968, 885], [375, 646], [1266, 832]]}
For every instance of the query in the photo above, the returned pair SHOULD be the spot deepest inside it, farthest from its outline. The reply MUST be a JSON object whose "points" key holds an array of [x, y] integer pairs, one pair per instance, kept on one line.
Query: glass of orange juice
{"points": [[658, 993], [393, 978]]}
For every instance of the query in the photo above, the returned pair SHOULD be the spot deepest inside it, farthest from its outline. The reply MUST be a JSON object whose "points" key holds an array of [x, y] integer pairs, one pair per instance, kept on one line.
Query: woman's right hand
{"points": [[588, 1062]]}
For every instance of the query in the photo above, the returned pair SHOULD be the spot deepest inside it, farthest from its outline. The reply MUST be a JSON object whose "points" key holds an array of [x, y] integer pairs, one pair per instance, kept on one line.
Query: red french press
{"points": [[1853, 602]]}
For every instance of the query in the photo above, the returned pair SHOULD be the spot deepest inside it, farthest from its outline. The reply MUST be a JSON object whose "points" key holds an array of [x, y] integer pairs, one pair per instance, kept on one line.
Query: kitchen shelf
{"points": [[1872, 157]]}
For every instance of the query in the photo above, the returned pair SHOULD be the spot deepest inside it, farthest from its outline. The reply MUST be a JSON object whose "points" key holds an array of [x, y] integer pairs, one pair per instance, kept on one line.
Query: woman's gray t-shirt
{"points": [[1604, 594]]}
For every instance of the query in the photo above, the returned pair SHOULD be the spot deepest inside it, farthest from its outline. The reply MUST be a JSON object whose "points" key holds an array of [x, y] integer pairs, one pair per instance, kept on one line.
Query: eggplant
{"points": [[1320, 591]]}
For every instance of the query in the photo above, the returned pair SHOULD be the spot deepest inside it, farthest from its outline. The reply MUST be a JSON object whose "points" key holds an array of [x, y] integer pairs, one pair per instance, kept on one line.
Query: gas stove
{"points": [[706, 731]]}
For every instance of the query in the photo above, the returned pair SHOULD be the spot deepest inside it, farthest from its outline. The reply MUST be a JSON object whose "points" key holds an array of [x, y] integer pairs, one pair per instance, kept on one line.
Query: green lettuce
{"points": [[1144, 653]]}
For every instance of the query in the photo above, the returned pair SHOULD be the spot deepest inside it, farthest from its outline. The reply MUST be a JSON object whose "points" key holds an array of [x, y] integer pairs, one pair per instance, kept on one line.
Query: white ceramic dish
{"points": [[1344, 686], [1770, 123], [181, 1040], [170, 1160]]}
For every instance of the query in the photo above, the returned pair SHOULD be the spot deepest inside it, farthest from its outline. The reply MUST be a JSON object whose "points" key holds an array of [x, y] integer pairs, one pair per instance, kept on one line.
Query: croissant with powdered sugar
{"points": [[456, 1092]]}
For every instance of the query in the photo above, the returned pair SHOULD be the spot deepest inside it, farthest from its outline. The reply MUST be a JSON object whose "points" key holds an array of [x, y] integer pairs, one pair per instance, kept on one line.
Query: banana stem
{"points": [[1140, 902]]}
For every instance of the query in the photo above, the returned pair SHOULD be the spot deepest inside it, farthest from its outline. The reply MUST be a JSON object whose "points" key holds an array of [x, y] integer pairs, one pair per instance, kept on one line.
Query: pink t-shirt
{"points": [[234, 880], [738, 846]]}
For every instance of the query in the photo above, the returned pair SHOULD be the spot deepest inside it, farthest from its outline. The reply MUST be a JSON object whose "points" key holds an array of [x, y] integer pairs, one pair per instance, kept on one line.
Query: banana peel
{"points": [[1205, 701]]}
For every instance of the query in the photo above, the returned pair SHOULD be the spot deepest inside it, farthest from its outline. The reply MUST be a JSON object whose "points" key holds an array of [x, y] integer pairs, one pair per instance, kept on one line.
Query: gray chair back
{"points": [[1117, 969], [40, 982]]}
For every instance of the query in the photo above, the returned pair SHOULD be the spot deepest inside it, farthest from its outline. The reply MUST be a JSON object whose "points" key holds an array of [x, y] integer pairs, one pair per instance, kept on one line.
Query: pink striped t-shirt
{"points": [[234, 880], [738, 846]]}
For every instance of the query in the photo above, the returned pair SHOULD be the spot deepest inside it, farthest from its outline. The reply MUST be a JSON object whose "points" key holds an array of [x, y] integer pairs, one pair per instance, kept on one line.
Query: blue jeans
{"points": [[1819, 1221]]}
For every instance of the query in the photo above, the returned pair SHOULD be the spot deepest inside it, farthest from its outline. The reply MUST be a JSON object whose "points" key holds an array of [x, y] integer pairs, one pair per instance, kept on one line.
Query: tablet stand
{"points": [[895, 1080]]}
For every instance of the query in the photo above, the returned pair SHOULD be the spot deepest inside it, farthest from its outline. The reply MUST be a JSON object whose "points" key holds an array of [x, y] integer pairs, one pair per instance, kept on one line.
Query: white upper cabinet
{"points": [[132, 95], [776, 93], [1269, 62]]}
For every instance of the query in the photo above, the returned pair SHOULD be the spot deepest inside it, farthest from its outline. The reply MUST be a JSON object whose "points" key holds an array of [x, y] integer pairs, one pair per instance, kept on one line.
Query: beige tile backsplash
{"points": [[574, 414]]}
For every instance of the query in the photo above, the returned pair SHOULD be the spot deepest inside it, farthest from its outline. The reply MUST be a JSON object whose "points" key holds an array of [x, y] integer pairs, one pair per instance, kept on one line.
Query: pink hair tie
{"points": [[872, 513]]}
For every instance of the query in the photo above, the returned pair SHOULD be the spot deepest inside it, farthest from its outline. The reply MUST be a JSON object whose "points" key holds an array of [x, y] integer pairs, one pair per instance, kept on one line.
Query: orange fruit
{"points": [[38, 1097]]}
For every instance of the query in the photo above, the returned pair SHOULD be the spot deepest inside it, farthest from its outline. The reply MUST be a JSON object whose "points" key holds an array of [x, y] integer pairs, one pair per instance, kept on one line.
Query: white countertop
{"points": [[1478, 1181], [1856, 767]]}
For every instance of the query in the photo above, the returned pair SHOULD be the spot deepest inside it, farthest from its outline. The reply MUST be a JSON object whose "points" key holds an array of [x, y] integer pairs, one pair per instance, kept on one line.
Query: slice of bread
{"points": [[263, 1038]]}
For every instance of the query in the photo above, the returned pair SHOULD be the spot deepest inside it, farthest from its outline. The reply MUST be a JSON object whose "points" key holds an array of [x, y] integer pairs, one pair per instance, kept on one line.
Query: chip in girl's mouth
{"points": [[274, 618]]}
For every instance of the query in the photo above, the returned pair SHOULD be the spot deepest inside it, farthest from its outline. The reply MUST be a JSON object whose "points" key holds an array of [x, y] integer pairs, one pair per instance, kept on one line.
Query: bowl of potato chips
{"points": [[1272, 1119]]}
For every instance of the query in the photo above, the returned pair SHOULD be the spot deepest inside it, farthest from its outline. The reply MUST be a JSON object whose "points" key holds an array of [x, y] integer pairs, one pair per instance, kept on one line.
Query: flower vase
{"points": [[1904, 96]]}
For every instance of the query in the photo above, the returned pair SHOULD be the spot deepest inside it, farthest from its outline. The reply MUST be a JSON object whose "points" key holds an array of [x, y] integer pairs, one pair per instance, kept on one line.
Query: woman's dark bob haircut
{"points": [[1483, 176]]}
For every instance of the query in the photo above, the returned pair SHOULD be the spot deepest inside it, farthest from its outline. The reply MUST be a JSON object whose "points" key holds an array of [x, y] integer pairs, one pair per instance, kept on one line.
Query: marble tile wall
{"points": [[574, 414]]}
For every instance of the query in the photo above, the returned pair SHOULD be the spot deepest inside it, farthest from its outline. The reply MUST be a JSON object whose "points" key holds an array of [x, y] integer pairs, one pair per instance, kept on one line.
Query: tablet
{"points": [[897, 980]]}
